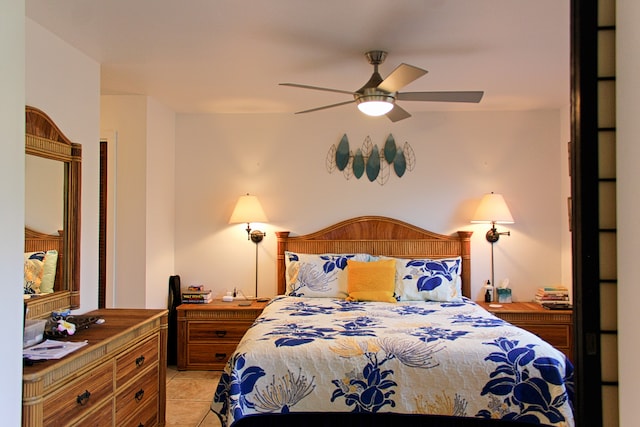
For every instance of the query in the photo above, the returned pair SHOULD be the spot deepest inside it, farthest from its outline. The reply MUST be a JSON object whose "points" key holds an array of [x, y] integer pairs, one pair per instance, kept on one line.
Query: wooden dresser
{"points": [[553, 326], [118, 379], [209, 333]]}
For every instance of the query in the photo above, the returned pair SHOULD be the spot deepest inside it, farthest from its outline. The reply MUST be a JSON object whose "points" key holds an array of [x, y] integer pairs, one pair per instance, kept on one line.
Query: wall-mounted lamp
{"points": [[248, 209], [493, 210]]}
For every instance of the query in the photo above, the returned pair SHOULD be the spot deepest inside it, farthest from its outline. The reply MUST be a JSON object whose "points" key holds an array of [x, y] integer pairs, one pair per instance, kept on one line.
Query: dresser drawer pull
{"points": [[139, 395], [221, 334], [221, 356], [140, 361], [83, 398]]}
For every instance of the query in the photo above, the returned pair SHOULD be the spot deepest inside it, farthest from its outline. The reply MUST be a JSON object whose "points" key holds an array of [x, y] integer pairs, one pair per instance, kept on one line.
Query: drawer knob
{"points": [[139, 395], [83, 398], [221, 334], [140, 361], [221, 356]]}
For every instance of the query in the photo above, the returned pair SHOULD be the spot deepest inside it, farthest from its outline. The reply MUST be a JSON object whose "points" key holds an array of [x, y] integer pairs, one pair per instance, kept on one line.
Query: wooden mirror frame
{"points": [[44, 139]]}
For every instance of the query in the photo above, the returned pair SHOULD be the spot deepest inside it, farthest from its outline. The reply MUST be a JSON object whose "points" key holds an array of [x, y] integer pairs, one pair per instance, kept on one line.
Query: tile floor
{"points": [[189, 395]]}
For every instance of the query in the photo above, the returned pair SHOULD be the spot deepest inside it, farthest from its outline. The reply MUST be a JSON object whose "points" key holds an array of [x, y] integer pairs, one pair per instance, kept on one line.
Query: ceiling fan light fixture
{"points": [[375, 104], [375, 108]]}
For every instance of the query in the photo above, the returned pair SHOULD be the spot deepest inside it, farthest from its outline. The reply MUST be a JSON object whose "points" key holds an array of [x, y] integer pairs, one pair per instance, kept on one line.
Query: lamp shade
{"points": [[492, 209], [248, 209]]}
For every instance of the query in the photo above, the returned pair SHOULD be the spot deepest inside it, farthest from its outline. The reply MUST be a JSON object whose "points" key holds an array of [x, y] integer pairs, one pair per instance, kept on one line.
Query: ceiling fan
{"points": [[378, 96]]}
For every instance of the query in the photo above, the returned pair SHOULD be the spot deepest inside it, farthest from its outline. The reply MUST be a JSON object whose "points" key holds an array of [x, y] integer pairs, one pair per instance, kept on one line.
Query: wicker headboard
{"points": [[35, 241], [378, 235]]}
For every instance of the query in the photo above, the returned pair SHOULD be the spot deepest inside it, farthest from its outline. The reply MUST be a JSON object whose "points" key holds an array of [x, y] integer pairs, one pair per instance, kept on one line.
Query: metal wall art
{"points": [[369, 159]]}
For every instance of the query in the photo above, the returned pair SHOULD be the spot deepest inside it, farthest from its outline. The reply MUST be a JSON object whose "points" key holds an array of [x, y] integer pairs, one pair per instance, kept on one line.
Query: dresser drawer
{"points": [[80, 397], [216, 331], [101, 417], [135, 360], [136, 395], [209, 356], [147, 416]]}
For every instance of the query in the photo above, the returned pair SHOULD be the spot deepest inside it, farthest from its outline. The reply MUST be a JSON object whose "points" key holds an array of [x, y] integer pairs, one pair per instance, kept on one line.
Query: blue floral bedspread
{"points": [[454, 359]]}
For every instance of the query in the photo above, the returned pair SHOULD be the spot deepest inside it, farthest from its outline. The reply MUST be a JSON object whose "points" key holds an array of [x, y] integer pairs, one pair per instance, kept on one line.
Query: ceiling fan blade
{"points": [[472, 96], [317, 88], [400, 77], [397, 113], [327, 106]]}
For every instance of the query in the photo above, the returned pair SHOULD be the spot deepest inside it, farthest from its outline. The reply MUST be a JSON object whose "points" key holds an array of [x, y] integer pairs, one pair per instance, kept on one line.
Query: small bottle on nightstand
{"points": [[488, 294]]}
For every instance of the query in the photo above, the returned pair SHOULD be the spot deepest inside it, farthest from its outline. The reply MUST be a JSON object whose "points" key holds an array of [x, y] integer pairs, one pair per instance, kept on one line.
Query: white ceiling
{"points": [[228, 56]]}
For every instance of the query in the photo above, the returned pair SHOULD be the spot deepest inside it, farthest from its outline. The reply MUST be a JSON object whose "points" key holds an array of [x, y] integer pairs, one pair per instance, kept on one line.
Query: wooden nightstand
{"points": [[553, 326], [209, 333]]}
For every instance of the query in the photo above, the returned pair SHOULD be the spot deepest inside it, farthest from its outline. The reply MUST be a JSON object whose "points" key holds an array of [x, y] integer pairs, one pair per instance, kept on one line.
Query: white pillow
{"points": [[318, 275], [429, 279]]}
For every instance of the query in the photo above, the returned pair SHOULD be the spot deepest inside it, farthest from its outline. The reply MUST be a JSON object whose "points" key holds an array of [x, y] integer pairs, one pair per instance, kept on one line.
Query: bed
{"points": [[373, 326]]}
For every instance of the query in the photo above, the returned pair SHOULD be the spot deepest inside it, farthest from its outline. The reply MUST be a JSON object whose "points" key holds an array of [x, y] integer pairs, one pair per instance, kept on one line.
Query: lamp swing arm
{"points": [[255, 236], [493, 235]]}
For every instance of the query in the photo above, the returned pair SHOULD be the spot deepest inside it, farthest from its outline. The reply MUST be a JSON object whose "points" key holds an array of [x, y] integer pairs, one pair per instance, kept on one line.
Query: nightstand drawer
{"points": [[216, 331], [557, 335], [212, 355]]}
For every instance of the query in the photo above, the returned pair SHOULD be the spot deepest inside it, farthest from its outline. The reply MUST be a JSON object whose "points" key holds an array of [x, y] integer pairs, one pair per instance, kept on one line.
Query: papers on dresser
{"points": [[51, 349]]}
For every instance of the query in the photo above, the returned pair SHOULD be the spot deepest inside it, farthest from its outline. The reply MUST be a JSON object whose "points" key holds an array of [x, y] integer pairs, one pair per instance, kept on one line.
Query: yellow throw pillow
{"points": [[371, 281], [49, 272]]}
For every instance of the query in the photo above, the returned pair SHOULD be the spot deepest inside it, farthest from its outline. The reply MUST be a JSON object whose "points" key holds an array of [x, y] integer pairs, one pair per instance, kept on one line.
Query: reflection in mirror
{"points": [[44, 194], [52, 210]]}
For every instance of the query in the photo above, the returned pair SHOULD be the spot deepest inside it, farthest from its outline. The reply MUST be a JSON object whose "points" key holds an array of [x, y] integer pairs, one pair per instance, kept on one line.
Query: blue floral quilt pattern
{"points": [[453, 359]]}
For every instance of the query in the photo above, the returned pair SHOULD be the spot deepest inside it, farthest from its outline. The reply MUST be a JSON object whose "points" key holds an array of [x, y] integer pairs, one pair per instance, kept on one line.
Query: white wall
{"points": [[127, 115], [281, 159], [628, 204], [160, 203], [12, 206], [65, 84], [143, 198]]}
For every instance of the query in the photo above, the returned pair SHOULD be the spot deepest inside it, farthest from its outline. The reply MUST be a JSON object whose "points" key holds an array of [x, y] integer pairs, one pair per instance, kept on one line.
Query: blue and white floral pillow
{"points": [[318, 275], [429, 279]]}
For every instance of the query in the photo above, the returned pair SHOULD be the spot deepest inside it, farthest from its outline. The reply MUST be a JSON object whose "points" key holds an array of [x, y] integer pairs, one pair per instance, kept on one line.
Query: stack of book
{"points": [[557, 295], [196, 295]]}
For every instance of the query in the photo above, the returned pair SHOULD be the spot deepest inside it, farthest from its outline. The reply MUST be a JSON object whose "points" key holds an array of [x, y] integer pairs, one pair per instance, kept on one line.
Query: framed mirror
{"points": [[52, 209]]}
